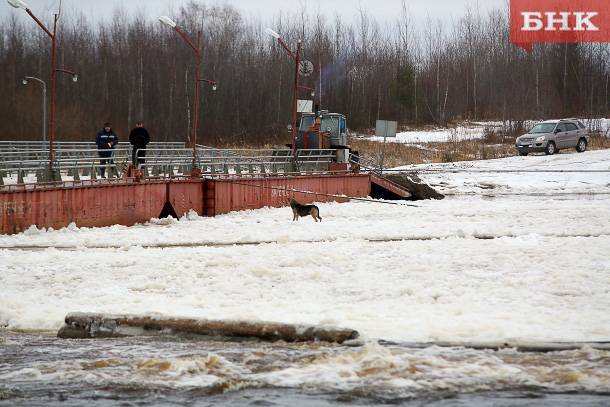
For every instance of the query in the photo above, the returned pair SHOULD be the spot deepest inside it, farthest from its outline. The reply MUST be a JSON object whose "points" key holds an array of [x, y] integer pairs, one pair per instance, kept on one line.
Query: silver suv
{"points": [[553, 135]]}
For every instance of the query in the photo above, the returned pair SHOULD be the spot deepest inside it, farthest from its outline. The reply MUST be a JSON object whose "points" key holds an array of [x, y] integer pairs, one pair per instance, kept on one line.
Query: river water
{"points": [[38, 369], [449, 270]]}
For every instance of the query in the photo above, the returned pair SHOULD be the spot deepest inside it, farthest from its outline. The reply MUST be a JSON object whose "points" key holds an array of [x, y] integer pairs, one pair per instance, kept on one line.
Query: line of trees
{"points": [[131, 67]]}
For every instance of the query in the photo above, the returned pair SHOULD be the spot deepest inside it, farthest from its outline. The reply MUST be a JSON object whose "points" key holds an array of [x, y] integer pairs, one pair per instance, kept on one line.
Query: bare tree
{"points": [[132, 68]]}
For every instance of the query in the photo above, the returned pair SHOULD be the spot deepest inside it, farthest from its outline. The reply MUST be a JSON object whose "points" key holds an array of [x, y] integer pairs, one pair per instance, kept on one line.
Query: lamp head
{"points": [[17, 4], [214, 87], [313, 93], [75, 77], [24, 81], [167, 21], [272, 33]]}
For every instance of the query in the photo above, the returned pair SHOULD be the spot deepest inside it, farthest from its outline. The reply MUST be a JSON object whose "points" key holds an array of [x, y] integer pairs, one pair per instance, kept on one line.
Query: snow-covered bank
{"points": [[441, 135], [473, 131], [483, 176]]}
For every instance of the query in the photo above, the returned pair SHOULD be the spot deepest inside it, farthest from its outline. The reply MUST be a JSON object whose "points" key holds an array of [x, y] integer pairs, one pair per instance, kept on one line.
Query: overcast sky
{"points": [[383, 10]]}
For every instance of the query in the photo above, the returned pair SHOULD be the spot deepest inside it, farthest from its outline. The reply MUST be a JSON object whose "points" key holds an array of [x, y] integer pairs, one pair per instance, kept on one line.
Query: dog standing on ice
{"points": [[304, 210]]}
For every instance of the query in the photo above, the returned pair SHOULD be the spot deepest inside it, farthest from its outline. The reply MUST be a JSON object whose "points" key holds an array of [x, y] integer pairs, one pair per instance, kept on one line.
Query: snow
{"points": [[473, 131], [468, 268], [440, 135], [591, 175], [601, 125]]}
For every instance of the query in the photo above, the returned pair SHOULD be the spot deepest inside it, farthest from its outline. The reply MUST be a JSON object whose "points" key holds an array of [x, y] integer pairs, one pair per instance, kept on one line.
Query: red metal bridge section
{"points": [[97, 203], [88, 204], [389, 186], [231, 194]]}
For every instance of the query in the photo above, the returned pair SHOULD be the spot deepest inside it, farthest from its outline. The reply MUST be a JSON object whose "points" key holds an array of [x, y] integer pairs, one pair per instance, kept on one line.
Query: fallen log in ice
{"points": [[91, 325]]}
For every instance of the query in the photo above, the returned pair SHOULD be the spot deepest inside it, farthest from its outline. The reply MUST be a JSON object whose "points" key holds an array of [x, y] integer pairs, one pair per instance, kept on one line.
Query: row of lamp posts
{"points": [[19, 4], [295, 55]]}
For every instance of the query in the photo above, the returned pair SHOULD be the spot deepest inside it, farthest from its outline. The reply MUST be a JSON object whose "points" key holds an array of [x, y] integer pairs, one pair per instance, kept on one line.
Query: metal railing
{"points": [[365, 164], [18, 166], [235, 161], [74, 162], [23, 146]]}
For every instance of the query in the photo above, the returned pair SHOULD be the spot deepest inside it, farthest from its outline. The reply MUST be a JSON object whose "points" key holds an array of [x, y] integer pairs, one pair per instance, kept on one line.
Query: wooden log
{"points": [[91, 325]]}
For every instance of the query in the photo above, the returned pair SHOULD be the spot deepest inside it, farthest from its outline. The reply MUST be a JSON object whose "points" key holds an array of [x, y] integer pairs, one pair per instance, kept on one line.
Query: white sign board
{"points": [[385, 128], [304, 106]]}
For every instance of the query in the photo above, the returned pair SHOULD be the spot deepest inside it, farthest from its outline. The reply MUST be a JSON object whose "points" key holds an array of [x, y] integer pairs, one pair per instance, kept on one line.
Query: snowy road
{"points": [[586, 173]]}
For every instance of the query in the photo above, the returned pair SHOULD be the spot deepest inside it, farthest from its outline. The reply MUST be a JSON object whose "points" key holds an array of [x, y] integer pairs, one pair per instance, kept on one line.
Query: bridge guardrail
{"points": [[70, 164]]}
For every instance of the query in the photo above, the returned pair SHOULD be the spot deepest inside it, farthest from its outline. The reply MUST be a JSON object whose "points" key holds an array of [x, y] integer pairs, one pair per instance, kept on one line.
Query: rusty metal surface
{"points": [[209, 198], [338, 167], [251, 193], [186, 195], [99, 205], [390, 186], [127, 202]]}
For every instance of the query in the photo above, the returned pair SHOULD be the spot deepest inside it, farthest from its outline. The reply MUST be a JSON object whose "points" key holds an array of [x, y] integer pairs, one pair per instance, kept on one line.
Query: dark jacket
{"points": [[105, 141], [139, 137]]}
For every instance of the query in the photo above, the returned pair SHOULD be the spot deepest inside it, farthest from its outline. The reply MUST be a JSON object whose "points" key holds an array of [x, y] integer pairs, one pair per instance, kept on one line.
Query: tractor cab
{"points": [[322, 130]]}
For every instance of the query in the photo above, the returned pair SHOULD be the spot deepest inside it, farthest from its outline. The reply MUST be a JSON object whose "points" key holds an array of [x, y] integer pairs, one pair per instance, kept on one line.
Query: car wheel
{"points": [[550, 148], [522, 153], [581, 146]]}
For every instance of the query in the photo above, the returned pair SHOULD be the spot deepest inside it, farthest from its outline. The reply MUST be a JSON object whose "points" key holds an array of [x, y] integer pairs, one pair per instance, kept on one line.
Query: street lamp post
{"points": [[297, 58], [53, 35], [25, 81], [211, 82], [197, 49]]}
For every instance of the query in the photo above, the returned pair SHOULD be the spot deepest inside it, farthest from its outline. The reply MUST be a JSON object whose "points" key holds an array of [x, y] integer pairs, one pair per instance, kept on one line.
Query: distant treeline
{"points": [[131, 68]]}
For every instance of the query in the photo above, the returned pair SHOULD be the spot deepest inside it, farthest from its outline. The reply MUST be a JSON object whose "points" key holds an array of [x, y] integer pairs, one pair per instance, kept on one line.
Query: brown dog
{"points": [[304, 210]]}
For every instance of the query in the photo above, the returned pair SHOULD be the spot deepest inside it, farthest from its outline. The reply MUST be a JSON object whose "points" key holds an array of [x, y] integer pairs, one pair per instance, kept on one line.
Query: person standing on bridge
{"points": [[106, 140], [138, 138]]}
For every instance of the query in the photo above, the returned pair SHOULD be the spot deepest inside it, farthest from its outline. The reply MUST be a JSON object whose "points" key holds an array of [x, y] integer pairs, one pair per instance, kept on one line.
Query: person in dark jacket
{"points": [[139, 138], [106, 140]]}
